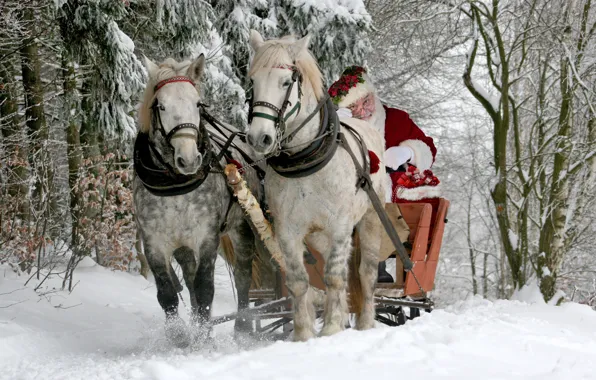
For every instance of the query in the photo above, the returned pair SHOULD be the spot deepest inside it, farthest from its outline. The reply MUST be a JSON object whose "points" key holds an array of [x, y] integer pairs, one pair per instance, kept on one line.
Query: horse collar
{"points": [[159, 178], [316, 156]]}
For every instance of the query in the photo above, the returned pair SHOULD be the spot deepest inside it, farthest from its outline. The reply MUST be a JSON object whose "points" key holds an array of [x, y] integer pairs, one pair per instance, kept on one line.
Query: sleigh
{"points": [[396, 302]]}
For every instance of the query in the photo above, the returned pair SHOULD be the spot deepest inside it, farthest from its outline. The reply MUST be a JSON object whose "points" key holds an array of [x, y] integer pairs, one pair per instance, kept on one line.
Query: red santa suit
{"points": [[406, 145], [417, 182]]}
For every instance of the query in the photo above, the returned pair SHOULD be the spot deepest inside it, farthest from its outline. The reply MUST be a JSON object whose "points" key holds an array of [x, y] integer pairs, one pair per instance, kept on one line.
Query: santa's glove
{"points": [[344, 112], [396, 156]]}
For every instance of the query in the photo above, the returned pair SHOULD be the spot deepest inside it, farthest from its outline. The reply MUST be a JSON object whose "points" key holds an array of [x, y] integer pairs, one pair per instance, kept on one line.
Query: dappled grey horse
{"points": [[183, 205]]}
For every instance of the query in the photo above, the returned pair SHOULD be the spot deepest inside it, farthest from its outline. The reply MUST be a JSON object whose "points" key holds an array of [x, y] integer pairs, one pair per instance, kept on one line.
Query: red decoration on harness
{"points": [[236, 163], [172, 80], [374, 162]]}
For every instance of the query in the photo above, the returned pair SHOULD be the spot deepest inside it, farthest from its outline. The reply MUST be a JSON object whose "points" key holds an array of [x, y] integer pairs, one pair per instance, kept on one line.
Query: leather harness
{"points": [[322, 148]]}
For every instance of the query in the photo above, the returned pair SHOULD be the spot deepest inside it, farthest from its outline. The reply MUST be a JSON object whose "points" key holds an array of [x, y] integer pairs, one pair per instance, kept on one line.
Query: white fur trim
{"points": [[388, 188], [343, 112], [423, 157], [378, 117], [418, 193], [355, 93]]}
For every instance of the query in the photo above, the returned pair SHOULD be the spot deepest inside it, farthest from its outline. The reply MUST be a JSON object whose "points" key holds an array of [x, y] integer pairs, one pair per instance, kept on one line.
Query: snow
{"points": [[110, 327], [120, 38], [513, 239], [493, 100]]}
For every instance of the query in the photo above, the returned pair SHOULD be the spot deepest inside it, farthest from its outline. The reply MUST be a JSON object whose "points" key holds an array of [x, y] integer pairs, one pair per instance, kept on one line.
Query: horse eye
{"points": [[162, 107], [287, 83]]}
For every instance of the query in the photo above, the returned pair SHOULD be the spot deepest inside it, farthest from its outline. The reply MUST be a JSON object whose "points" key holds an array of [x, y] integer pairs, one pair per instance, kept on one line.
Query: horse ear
{"points": [[256, 40], [150, 66], [301, 45], [196, 69]]}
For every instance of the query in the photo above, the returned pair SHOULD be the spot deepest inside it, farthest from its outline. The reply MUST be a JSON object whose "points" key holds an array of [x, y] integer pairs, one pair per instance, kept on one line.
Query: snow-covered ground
{"points": [[110, 327]]}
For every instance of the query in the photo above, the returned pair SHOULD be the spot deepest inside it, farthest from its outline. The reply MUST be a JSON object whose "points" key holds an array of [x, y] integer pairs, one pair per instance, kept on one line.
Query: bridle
{"points": [[157, 116], [281, 117], [202, 138]]}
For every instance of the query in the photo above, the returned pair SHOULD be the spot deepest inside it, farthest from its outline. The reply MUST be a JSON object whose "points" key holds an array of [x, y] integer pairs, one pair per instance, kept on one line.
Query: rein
{"points": [[320, 151]]}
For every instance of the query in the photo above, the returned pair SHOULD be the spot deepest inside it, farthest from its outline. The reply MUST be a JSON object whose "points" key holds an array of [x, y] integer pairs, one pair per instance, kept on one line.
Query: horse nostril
{"points": [[250, 139], [180, 162], [266, 140]]}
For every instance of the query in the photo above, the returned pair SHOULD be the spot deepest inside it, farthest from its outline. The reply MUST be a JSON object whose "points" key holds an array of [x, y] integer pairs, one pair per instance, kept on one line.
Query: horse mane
{"points": [[167, 69], [276, 52]]}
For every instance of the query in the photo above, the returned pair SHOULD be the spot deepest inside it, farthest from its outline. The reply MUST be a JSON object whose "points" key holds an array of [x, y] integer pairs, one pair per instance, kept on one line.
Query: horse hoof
{"points": [[243, 326], [203, 341], [329, 330], [303, 335], [177, 332], [365, 325]]}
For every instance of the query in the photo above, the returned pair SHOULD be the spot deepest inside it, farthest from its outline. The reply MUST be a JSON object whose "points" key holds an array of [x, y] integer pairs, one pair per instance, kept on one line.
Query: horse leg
{"points": [[186, 258], [167, 296], [297, 281], [336, 273], [243, 241], [369, 229], [204, 287]]}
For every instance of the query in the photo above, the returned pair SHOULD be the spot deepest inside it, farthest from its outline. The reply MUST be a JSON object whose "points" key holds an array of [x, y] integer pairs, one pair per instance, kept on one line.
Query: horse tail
{"points": [[354, 284], [228, 250], [230, 257], [257, 263]]}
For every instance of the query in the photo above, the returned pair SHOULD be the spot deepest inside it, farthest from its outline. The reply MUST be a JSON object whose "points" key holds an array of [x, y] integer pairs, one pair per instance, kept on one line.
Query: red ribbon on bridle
{"points": [[172, 80]]}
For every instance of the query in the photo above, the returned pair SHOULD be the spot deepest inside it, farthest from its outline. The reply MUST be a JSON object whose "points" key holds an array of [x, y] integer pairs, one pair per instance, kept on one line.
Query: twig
{"points": [[16, 290], [12, 304], [67, 307]]}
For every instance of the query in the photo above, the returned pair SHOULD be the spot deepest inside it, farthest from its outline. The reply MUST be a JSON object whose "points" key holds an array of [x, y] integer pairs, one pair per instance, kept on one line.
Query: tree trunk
{"points": [[501, 119], [74, 152], [89, 133], [34, 109], [13, 137], [471, 246], [552, 236]]}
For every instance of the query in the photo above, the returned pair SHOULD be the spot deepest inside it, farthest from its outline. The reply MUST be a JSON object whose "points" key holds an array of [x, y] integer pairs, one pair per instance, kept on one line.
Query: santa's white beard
{"points": [[378, 117]]}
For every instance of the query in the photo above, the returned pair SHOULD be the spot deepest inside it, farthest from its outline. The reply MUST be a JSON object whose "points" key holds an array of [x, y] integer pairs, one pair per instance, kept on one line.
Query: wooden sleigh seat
{"points": [[426, 238]]}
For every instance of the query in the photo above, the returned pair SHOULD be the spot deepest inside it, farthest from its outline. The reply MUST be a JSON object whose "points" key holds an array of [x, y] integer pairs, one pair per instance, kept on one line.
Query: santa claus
{"points": [[409, 153]]}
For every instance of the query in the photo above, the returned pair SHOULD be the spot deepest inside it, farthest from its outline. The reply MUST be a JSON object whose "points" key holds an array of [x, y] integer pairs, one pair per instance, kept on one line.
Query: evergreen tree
{"points": [[339, 31], [115, 76]]}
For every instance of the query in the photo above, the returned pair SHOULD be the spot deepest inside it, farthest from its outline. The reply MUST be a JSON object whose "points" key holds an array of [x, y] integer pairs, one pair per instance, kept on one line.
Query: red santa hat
{"points": [[354, 84]]}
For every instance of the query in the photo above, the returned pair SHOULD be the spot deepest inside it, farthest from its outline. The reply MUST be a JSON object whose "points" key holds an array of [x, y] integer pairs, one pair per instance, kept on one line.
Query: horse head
{"points": [[171, 113], [284, 74]]}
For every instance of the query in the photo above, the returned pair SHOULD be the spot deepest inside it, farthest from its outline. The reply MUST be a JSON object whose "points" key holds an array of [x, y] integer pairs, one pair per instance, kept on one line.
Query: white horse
{"points": [[320, 203]]}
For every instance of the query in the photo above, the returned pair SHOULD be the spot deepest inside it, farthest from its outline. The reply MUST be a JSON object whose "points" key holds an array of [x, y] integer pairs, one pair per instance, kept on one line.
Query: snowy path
{"points": [[112, 330]]}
